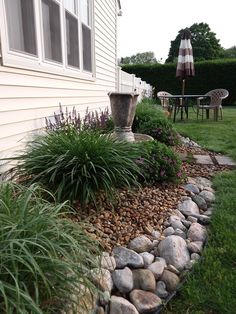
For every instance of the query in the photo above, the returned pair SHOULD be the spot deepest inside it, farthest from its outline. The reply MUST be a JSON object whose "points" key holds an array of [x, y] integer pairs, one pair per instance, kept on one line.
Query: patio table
{"points": [[185, 103]]}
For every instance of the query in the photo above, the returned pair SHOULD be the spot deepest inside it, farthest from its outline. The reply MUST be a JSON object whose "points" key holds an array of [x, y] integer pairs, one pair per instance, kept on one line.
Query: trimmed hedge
{"points": [[209, 75]]}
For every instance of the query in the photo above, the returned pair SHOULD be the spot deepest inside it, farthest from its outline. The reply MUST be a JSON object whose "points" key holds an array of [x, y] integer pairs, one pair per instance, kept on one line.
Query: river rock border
{"points": [[144, 276]]}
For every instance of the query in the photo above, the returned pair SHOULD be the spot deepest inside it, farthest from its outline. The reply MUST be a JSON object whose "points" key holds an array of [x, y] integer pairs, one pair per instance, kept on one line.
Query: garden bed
{"points": [[143, 211]]}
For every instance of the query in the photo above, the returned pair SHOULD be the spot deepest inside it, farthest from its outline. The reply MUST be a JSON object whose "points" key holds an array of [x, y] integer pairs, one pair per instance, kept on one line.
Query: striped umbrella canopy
{"points": [[185, 65]]}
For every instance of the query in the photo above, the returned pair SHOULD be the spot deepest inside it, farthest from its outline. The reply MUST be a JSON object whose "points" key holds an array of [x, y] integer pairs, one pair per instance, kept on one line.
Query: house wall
{"points": [[27, 97]]}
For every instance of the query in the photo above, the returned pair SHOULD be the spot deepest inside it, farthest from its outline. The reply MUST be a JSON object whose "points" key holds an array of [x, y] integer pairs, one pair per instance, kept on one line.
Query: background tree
{"points": [[140, 58], [204, 42], [230, 52]]}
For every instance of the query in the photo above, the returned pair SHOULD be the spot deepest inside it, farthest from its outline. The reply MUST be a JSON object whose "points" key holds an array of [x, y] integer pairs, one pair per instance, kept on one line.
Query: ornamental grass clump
{"points": [[71, 119], [152, 121], [45, 257], [160, 164], [77, 166]]}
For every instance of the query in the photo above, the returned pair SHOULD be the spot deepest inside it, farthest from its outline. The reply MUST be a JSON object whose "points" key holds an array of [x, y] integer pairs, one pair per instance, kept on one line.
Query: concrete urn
{"points": [[123, 106]]}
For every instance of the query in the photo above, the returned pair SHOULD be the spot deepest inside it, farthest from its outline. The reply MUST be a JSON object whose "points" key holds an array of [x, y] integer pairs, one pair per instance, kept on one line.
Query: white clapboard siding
{"points": [[27, 97]]}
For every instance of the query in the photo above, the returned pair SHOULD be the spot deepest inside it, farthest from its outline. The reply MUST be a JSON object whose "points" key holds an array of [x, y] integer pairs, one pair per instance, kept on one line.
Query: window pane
{"points": [[71, 5], [21, 25], [87, 54], [84, 7], [72, 40], [51, 30]]}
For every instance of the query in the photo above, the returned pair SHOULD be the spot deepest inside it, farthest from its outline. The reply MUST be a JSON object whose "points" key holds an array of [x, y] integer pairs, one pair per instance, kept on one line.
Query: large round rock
{"points": [[120, 305], [145, 301], [174, 250], [140, 244]]}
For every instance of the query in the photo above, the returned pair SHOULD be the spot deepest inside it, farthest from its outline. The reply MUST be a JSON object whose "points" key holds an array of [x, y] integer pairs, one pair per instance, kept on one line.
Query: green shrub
{"points": [[209, 75], [152, 121], [45, 257], [159, 162], [77, 166]]}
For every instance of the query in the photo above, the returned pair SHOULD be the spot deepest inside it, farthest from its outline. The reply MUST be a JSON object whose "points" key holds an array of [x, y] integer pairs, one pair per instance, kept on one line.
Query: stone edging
{"points": [[153, 268]]}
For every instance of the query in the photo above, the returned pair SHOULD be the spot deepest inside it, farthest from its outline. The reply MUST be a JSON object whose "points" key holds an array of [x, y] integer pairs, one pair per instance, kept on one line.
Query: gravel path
{"points": [[143, 211]]}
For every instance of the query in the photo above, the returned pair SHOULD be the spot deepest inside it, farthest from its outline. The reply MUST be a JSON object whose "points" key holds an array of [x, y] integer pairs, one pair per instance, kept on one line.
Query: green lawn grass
{"points": [[211, 288]]}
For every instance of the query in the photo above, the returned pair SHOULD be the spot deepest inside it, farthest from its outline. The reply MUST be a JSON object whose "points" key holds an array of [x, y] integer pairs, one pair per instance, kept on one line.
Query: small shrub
{"points": [[78, 165], [71, 119], [152, 121], [159, 162], [45, 257]]}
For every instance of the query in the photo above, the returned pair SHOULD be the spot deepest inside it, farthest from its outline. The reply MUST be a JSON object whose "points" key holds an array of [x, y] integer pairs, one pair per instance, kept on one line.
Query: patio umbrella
{"points": [[185, 65]]}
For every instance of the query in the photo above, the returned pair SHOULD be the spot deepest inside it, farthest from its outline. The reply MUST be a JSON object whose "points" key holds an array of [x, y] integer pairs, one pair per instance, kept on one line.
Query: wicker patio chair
{"points": [[212, 101]]}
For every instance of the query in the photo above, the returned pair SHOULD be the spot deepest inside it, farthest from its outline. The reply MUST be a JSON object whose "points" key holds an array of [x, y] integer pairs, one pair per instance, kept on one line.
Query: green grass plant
{"points": [[211, 288], [217, 136], [78, 165], [45, 257]]}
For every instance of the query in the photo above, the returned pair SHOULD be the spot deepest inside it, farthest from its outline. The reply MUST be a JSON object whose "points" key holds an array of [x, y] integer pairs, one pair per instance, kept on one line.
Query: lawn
{"points": [[211, 288]]}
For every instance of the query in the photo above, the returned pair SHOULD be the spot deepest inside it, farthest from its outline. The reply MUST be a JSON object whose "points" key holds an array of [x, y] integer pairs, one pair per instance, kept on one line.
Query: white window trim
{"points": [[25, 61]]}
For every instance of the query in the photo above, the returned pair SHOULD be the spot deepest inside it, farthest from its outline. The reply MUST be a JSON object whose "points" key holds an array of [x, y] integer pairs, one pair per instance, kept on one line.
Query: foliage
{"points": [[204, 43], [230, 53], [209, 288], [45, 258], [78, 165], [98, 121], [140, 58], [159, 164], [152, 121], [209, 75]]}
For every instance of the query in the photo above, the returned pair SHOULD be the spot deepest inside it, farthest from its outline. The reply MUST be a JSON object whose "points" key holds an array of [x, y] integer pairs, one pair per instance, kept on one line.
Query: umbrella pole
{"points": [[183, 87]]}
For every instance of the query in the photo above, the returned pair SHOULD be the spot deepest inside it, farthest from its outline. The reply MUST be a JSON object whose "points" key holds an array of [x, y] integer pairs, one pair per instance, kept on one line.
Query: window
{"points": [[48, 35], [21, 26], [51, 30], [86, 33], [72, 33]]}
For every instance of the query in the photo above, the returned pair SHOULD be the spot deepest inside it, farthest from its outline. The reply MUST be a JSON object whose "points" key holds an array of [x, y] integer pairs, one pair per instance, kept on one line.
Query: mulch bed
{"points": [[139, 212]]}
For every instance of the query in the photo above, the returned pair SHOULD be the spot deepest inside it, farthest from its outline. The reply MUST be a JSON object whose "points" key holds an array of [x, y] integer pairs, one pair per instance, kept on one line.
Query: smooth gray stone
{"points": [[200, 201], [125, 257], [168, 231], [192, 188], [123, 279], [180, 233], [188, 207], [195, 256], [197, 232], [140, 244], [195, 247], [157, 268], [174, 250], [208, 196], [161, 290], [176, 223], [148, 258], [203, 181]]}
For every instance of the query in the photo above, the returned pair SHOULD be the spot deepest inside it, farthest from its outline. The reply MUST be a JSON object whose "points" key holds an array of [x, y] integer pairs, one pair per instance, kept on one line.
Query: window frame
{"points": [[39, 63]]}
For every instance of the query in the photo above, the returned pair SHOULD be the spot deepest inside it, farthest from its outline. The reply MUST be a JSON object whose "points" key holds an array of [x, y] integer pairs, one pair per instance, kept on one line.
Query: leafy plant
{"points": [[152, 121], [78, 165], [160, 164], [72, 119], [45, 257]]}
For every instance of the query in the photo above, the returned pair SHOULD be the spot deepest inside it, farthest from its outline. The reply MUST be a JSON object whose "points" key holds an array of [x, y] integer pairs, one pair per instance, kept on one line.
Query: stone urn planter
{"points": [[123, 106]]}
